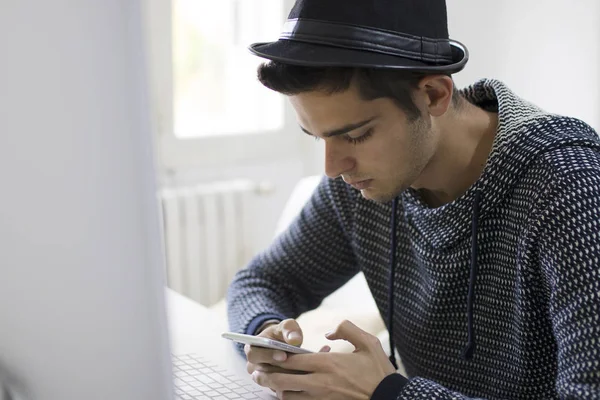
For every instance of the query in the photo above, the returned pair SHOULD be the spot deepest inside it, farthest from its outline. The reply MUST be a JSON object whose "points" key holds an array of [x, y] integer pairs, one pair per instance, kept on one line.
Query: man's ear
{"points": [[436, 93]]}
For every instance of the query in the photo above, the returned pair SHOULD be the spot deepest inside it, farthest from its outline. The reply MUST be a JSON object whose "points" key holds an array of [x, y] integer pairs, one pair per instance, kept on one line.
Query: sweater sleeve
{"points": [[570, 258], [569, 255], [306, 263], [398, 388]]}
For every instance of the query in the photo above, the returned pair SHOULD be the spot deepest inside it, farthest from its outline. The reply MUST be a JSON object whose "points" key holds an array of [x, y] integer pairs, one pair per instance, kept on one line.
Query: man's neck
{"points": [[465, 142]]}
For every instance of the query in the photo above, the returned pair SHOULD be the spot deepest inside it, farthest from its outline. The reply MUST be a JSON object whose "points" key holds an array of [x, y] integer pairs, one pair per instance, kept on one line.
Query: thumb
{"points": [[325, 349], [351, 333], [290, 332]]}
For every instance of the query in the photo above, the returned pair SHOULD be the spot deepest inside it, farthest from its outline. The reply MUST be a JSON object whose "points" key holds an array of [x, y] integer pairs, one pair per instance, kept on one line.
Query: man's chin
{"points": [[376, 196]]}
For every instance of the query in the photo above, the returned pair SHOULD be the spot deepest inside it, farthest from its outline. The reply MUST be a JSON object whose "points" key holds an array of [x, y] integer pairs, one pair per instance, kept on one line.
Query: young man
{"points": [[474, 215]]}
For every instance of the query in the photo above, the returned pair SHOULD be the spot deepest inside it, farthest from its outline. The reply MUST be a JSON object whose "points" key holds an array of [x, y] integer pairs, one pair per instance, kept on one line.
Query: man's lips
{"points": [[360, 185]]}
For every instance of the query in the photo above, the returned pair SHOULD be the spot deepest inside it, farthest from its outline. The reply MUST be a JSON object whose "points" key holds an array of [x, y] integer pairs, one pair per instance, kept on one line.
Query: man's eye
{"points": [[361, 138]]}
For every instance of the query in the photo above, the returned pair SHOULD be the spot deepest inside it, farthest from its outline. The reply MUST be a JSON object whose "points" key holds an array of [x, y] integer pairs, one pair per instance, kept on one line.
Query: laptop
{"points": [[82, 308]]}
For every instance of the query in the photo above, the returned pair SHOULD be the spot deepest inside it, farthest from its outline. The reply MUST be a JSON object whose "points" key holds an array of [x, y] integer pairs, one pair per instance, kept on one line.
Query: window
{"points": [[210, 110], [214, 73]]}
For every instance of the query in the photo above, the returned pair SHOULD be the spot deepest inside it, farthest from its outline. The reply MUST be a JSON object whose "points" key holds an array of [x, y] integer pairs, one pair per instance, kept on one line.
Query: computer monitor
{"points": [[82, 314]]}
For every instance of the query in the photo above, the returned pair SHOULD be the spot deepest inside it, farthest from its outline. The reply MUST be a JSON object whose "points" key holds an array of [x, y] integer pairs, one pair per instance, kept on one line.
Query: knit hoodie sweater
{"points": [[495, 295]]}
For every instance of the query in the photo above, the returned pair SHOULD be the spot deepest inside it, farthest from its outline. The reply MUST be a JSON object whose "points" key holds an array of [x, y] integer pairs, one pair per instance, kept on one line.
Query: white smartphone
{"points": [[264, 342]]}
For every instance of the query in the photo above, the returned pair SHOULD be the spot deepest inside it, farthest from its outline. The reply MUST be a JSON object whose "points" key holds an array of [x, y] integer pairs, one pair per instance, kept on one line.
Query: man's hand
{"points": [[331, 376], [261, 359]]}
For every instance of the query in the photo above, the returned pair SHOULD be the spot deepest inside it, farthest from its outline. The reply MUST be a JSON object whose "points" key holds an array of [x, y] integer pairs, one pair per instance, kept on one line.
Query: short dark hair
{"points": [[373, 83]]}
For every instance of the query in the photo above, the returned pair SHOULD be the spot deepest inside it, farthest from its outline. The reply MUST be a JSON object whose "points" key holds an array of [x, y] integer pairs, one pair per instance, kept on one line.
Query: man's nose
{"points": [[337, 161]]}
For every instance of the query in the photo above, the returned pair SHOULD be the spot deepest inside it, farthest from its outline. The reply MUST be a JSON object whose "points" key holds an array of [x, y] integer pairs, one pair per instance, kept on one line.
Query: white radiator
{"points": [[206, 230]]}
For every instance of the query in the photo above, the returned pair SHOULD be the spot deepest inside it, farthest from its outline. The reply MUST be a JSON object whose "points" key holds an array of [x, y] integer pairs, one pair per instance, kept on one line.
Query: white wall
{"points": [[546, 51]]}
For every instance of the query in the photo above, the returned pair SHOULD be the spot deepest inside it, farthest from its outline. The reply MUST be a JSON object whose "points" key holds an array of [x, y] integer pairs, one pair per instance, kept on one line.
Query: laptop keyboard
{"points": [[198, 379]]}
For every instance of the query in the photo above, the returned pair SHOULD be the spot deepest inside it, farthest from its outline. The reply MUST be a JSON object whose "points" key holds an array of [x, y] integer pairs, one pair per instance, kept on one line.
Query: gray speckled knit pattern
{"points": [[537, 293]]}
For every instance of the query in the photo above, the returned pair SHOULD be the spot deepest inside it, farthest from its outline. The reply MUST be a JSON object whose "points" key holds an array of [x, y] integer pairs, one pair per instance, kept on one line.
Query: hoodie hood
{"points": [[514, 148]]}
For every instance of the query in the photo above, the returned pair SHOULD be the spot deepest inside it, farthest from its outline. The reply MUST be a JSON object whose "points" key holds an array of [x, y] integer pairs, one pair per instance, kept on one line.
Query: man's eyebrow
{"points": [[341, 131]]}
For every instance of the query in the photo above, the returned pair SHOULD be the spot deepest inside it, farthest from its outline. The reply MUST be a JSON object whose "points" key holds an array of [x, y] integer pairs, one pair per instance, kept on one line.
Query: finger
{"points": [[268, 368], [353, 334], [325, 349], [260, 355], [289, 395], [315, 362], [272, 368], [283, 382], [289, 332]]}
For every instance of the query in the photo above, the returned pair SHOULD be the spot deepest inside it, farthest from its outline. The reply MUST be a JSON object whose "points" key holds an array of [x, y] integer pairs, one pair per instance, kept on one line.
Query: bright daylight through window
{"points": [[215, 87]]}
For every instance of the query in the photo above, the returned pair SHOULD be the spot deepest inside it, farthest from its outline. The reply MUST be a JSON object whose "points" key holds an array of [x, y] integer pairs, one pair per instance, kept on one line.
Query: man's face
{"points": [[371, 144]]}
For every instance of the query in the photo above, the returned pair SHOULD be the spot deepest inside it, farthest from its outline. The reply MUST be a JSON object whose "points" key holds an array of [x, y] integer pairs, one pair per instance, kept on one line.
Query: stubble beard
{"points": [[420, 130]]}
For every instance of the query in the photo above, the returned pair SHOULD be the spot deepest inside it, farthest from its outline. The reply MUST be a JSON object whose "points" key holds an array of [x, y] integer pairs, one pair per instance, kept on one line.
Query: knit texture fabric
{"points": [[536, 310]]}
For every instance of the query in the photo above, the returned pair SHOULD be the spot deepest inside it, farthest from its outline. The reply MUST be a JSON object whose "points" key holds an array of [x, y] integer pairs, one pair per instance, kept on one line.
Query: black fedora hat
{"points": [[409, 35]]}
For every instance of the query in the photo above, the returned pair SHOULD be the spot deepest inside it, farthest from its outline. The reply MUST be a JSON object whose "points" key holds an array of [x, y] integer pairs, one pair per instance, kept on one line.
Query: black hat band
{"points": [[363, 38]]}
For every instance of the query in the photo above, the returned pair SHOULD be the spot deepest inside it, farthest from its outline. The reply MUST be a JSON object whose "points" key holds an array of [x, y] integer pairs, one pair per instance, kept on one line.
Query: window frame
{"points": [[174, 153]]}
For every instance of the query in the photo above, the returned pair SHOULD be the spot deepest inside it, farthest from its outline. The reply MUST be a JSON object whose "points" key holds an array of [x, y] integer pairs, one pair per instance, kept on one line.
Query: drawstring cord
{"points": [[391, 285], [469, 350]]}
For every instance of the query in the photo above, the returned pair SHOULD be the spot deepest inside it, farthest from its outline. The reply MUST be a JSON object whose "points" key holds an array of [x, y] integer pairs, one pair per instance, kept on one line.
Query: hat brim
{"points": [[315, 55]]}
